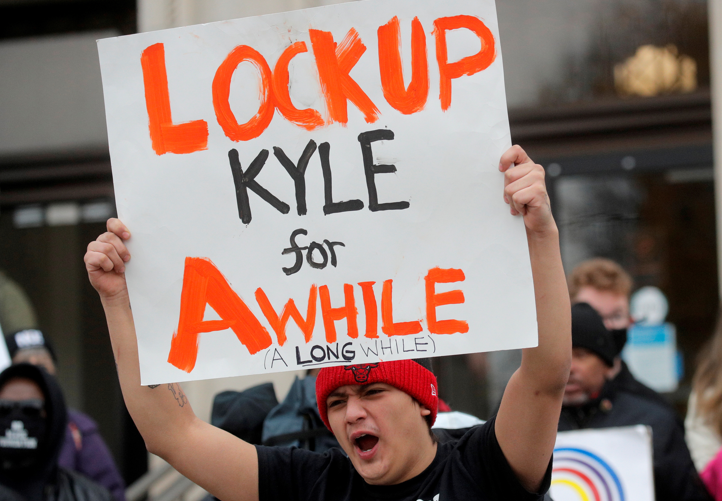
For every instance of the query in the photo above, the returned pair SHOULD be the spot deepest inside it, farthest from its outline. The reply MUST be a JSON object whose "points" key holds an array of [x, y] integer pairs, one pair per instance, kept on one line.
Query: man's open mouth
{"points": [[366, 442]]}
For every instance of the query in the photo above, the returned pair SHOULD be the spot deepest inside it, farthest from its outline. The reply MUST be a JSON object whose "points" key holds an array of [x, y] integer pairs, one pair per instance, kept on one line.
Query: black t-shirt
{"points": [[472, 467]]}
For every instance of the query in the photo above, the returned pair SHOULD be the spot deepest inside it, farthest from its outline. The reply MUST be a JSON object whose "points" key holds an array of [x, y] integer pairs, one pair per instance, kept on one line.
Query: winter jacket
{"points": [[85, 452]]}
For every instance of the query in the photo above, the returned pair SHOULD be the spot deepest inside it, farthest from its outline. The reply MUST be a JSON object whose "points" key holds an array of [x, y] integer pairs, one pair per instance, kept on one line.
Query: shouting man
{"points": [[380, 414]]}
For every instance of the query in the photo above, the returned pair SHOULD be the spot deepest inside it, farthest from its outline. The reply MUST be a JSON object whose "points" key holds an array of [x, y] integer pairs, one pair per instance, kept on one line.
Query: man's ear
{"points": [[424, 411]]}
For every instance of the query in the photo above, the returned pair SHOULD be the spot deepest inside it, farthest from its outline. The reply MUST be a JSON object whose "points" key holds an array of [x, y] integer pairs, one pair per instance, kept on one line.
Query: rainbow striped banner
{"points": [[613, 464]]}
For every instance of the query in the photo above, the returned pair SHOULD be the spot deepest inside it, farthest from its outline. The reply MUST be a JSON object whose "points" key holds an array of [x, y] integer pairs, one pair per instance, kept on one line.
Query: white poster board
{"points": [[613, 464], [343, 157]]}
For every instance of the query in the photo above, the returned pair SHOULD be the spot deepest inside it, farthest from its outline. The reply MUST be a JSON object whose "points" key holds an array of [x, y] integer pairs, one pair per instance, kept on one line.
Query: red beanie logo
{"points": [[361, 372]]}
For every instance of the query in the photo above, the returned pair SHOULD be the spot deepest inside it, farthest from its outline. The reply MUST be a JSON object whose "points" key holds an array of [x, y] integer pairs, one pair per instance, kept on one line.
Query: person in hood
{"points": [[84, 449], [33, 418]]}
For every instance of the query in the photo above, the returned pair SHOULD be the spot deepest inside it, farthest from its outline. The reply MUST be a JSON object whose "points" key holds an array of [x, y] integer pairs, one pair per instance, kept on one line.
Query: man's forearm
{"points": [[549, 362], [154, 409]]}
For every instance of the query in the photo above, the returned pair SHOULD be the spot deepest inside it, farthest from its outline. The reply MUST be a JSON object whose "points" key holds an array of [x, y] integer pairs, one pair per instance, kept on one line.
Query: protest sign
{"points": [[317, 187], [613, 464]]}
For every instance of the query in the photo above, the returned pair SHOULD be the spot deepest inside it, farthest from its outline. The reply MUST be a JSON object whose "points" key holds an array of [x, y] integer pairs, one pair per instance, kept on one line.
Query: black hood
{"points": [[30, 483]]}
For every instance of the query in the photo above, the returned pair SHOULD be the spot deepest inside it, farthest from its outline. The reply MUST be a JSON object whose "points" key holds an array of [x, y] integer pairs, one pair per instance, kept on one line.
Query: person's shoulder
{"points": [[84, 423], [461, 437], [648, 410]]}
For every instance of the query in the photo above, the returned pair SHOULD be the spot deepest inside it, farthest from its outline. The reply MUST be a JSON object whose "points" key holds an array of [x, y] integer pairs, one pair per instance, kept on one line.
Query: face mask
{"points": [[22, 432]]}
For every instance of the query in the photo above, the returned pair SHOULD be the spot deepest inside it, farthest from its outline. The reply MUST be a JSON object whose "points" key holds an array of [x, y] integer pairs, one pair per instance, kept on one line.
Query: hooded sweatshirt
{"points": [[44, 480]]}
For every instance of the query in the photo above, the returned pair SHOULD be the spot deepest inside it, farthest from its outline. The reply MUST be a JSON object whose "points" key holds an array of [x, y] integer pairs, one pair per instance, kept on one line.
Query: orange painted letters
{"points": [[290, 310], [406, 100], [334, 64], [222, 92], [468, 65], [433, 300], [309, 118], [203, 284], [371, 309], [387, 315], [166, 137], [330, 315]]}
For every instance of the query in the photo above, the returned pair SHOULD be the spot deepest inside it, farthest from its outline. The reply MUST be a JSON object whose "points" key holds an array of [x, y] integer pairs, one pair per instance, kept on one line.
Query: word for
{"points": [[336, 353], [204, 285], [334, 63], [246, 180], [313, 246]]}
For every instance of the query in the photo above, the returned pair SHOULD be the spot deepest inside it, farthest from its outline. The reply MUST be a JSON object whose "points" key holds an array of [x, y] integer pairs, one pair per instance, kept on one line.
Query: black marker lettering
{"points": [[330, 206], [329, 352], [420, 345], [245, 180], [295, 248], [298, 358], [349, 354], [384, 348], [318, 358], [277, 356], [297, 173], [333, 252], [309, 256], [368, 349], [432, 342], [403, 346], [371, 169]]}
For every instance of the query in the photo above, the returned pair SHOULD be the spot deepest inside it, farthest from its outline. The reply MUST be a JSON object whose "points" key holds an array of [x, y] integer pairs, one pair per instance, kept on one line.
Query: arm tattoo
{"points": [[178, 394]]}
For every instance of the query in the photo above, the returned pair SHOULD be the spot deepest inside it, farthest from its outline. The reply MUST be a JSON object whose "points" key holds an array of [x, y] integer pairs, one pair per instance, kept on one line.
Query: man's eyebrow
{"points": [[336, 393]]}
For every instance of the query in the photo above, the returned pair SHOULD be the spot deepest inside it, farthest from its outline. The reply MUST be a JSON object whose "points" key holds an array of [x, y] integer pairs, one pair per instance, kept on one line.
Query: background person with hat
{"points": [[83, 449], [606, 287], [590, 401]]}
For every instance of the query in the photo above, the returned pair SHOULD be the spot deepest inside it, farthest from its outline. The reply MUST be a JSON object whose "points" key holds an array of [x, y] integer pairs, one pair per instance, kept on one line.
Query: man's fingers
{"points": [[95, 261], [513, 156], [519, 178], [533, 196], [105, 256], [117, 243], [117, 227]]}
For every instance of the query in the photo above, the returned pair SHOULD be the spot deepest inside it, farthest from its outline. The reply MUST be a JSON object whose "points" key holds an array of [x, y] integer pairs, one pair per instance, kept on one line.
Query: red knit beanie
{"points": [[413, 377]]}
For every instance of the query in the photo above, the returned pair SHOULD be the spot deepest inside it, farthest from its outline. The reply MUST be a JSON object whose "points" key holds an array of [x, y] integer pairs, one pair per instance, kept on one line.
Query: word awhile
{"points": [[204, 285]]}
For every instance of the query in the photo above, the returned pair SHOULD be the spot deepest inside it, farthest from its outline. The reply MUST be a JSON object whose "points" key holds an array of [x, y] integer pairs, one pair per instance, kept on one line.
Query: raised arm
{"points": [[214, 459], [526, 425]]}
